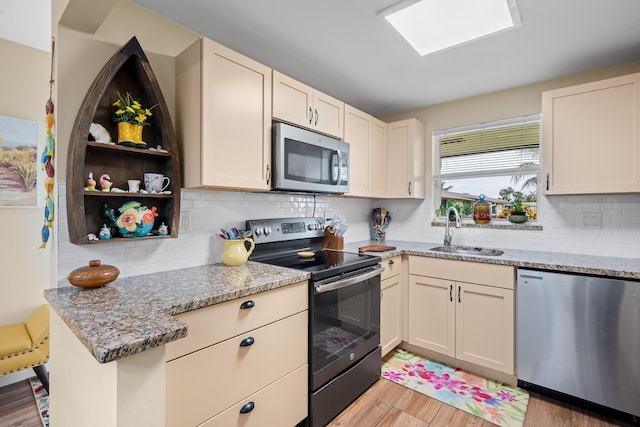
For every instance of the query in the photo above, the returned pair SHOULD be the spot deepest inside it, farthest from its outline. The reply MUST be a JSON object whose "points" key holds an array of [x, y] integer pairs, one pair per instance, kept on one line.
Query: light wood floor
{"points": [[18, 406], [388, 404]]}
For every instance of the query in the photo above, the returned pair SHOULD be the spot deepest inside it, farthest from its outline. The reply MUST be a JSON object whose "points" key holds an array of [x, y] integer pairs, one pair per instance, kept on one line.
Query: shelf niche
{"points": [[128, 71]]}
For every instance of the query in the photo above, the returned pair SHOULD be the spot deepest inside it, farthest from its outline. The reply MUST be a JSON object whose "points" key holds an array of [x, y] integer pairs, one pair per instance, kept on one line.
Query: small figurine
{"points": [[99, 133], [105, 233], [105, 182], [92, 236], [163, 230], [91, 183]]}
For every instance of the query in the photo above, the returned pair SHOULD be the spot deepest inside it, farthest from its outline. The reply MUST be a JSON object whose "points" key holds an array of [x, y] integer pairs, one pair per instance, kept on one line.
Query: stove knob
{"points": [[258, 231], [310, 227], [267, 231]]}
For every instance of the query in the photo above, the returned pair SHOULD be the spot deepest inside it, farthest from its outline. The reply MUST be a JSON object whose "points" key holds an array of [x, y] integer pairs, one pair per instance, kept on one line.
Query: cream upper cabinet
{"points": [[299, 104], [223, 118], [463, 310], [591, 137], [378, 158], [406, 145], [391, 304], [358, 132], [367, 140]]}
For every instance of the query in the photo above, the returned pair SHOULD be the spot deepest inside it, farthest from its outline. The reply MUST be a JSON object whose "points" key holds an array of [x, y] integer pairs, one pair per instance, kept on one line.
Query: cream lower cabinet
{"points": [[299, 104], [406, 157], [241, 366], [223, 118], [463, 310], [391, 304], [590, 137]]}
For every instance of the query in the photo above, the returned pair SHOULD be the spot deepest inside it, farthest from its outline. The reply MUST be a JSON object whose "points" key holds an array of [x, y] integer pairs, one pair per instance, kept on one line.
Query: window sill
{"points": [[493, 225]]}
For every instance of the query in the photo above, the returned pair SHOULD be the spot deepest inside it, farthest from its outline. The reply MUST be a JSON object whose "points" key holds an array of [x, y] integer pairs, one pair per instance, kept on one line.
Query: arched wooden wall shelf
{"points": [[127, 71]]}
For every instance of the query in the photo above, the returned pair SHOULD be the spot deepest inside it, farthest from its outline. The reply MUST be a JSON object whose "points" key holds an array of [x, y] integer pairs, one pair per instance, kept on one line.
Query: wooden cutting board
{"points": [[376, 248]]}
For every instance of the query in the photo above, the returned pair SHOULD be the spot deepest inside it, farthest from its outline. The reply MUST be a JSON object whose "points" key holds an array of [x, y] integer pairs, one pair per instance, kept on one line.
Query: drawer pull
{"points": [[247, 342], [391, 262], [248, 407], [247, 304]]}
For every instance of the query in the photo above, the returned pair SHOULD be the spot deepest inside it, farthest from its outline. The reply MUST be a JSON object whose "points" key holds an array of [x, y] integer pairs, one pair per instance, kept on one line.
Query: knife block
{"points": [[330, 241]]}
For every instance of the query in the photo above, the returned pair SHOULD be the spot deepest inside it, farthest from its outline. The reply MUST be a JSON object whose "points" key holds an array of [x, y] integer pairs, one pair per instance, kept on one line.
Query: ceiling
{"points": [[342, 48]]}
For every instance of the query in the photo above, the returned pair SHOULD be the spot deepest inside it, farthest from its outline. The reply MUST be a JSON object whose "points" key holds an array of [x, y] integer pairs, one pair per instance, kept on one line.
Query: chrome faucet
{"points": [[448, 235]]}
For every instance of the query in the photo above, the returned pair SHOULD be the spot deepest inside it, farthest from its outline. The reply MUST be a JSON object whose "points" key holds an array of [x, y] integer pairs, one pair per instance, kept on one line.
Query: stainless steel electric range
{"points": [[344, 310]]}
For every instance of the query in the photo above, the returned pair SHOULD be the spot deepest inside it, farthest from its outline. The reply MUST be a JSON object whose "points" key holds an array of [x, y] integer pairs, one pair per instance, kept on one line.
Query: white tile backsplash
{"points": [[411, 219]]}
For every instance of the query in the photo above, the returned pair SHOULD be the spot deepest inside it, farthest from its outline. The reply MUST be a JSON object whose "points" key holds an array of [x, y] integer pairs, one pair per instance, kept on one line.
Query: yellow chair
{"points": [[26, 345]]}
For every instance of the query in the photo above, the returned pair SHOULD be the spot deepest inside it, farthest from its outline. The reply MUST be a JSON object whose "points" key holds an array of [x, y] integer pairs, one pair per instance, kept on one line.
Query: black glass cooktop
{"points": [[325, 263]]}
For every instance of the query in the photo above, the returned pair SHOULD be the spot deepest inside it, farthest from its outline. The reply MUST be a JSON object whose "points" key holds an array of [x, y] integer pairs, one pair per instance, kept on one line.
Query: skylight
{"points": [[433, 25]]}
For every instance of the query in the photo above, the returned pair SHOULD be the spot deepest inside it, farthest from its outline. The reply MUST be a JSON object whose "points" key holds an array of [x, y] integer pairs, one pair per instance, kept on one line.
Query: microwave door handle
{"points": [[339, 180]]}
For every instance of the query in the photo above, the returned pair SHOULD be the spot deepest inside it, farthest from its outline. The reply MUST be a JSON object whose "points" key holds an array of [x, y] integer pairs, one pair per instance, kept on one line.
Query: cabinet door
{"points": [[283, 403], [406, 159], [195, 392], [292, 100], [378, 158], [591, 137], [390, 313], [328, 114], [236, 120], [432, 314], [358, 133], [485, 326]]}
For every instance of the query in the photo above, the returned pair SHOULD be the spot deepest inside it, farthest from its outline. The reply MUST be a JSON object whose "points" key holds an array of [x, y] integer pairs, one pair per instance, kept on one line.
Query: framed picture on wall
{"points": [[18, 162]]}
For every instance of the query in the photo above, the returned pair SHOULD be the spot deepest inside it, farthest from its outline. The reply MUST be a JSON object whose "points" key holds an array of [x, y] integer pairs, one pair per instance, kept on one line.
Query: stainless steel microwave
{"points": [[308, 161]]}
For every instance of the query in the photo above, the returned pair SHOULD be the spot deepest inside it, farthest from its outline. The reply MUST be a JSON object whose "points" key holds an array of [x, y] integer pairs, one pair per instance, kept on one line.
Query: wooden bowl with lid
{"points": [[93, 276]]}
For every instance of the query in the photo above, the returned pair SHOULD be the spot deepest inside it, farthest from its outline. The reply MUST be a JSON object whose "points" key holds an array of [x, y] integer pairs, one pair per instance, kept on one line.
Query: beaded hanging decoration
{"points": [[46, 160]]}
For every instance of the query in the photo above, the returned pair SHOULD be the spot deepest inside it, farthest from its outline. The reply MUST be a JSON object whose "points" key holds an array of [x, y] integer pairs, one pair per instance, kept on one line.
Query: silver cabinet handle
{"points": [[268, 174]]}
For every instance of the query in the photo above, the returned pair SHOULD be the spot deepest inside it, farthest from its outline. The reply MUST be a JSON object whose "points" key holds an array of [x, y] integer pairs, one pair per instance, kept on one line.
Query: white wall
{"points": [[24, 269]]}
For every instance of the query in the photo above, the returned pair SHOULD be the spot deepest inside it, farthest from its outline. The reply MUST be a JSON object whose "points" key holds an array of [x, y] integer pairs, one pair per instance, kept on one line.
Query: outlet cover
{"points": [[591, 220], [185, 221]]}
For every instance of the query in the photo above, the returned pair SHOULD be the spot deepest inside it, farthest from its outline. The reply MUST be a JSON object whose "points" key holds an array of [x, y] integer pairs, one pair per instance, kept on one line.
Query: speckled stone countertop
{"points": [[134, 314], [624, 268]]}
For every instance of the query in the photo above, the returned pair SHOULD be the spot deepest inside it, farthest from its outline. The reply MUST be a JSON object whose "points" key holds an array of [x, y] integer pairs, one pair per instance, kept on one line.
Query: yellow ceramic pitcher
{"points": [[235, 252]]}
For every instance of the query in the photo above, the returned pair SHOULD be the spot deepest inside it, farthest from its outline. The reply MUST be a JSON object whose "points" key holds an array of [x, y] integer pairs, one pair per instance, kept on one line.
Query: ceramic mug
{"points": [[134, 185], [156, 182]]}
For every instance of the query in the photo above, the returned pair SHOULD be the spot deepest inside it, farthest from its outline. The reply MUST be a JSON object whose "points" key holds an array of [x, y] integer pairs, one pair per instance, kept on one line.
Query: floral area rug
{"points": [[42, 399], [493, 401]]}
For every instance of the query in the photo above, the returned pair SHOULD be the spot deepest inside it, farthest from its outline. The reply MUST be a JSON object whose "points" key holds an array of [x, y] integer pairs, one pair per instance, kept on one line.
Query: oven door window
{"points": [[343, 320], [305, 162]]}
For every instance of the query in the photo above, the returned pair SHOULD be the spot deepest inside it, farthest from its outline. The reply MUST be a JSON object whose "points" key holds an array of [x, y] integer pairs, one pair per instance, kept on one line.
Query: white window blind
{"points": [[491, 149]]}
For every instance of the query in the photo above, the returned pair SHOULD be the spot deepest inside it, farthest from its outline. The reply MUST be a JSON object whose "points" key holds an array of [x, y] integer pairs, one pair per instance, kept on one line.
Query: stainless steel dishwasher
{"points": [[580, 335]]}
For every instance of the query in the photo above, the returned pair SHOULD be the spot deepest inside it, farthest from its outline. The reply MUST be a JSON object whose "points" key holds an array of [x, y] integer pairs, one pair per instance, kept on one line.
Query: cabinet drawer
{"points": [[210, 325], [501, 276], [283, 403], [392, 267], [205, 383]]}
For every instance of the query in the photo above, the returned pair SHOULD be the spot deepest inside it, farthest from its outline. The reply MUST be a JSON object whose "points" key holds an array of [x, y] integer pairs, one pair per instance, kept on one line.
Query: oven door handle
{"points": [[332, 286]]}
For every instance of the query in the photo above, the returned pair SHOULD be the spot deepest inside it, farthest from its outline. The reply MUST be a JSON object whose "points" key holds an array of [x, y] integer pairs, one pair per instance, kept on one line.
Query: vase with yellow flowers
{"points": [[131, 116]]}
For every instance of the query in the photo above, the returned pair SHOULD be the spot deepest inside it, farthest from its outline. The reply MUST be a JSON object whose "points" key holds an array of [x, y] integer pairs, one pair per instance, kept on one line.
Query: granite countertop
{"points": [[623, 268], [134, 314]]}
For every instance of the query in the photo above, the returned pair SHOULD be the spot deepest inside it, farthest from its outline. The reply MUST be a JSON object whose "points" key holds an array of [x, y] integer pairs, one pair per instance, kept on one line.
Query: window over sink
{"points": [[500, 160]]}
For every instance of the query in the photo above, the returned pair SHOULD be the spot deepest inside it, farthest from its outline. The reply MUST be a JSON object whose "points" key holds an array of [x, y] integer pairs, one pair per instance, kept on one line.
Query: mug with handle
{"points": [[156, 182]]}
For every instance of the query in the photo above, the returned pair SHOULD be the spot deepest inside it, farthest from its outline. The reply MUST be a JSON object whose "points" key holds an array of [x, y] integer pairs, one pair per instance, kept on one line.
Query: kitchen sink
{"points": [[468, 250]]}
